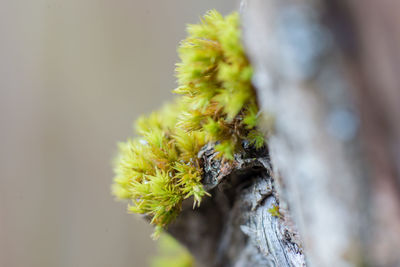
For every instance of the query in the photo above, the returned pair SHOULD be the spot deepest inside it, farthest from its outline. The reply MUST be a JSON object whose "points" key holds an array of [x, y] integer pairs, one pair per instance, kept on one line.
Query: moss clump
{"points": [[159, 169]]}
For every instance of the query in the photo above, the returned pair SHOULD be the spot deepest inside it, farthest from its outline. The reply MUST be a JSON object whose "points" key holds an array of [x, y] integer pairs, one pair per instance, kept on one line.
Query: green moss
{"points": [[158, 169], [274, 211], [171, 254]]}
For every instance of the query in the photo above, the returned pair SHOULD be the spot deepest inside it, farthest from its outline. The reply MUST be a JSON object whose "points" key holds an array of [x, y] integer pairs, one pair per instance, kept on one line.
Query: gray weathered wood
{"points": [[235, 227], [335, 143]]}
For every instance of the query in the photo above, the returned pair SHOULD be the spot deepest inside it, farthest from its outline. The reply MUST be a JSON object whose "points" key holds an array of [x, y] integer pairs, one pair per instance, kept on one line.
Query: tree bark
{"points": [[326, 71], [235, 227]]}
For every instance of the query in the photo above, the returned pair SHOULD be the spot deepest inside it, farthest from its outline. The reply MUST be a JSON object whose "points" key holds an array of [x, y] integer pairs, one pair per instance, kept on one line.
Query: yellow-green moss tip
{"points": [[171, 254], [158, 169], [274, 211]]}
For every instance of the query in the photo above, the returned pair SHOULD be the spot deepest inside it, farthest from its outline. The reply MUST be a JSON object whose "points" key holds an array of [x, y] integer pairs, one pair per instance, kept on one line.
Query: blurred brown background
{"points": [[73, 77]]}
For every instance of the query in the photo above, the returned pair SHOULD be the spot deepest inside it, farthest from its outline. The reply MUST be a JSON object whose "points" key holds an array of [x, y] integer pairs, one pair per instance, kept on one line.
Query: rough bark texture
{"points": [[336, 138], [235, 227], [327, 71]]}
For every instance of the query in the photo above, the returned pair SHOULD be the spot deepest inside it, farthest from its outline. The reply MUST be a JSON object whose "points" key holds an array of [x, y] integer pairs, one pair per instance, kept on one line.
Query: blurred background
{"points": [[73, 77]]}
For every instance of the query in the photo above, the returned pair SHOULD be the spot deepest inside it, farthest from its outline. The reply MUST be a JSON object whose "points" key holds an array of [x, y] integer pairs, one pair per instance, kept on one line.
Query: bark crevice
{"points": [[235, 227]]}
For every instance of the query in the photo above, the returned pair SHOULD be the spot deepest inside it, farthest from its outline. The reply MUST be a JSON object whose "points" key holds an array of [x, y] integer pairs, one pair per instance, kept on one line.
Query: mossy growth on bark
{"points": [[216, 104]]}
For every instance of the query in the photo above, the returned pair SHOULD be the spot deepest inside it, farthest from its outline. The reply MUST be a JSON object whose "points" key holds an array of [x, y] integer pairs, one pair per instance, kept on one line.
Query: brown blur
{"points": [[73, 76]]}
